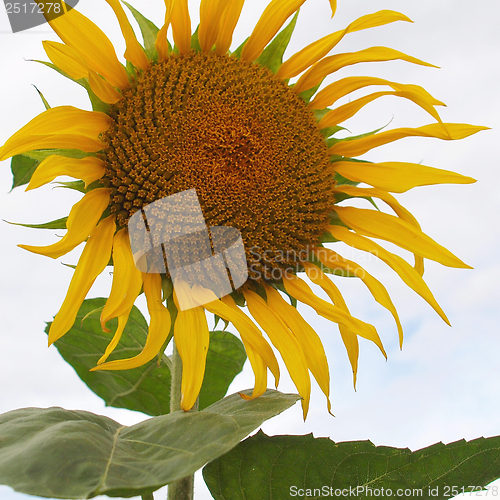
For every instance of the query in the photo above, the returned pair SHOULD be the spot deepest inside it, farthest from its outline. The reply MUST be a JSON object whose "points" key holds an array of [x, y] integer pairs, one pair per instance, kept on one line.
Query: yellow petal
{"points": [[92, 45], [181, 26], [191, 338], [348, 110], [398, 177], [259, 352], [253, 336], [273, 18], [333, 260], [159, 328], [318, 277], [94, 258], [402, 212], [402, 233], [228, 23], [299, 289], [161, 44], [330, 64], [317, 50], [305, 335], [286, 343], [60, 127], [445, 131], [81, 222], [399, 265], [127, 279], [210, 18], [87, 169], [66, 59], [134, 53], [122, 323], [102, 89], [333, 92], [348, 336], [333, 6]]}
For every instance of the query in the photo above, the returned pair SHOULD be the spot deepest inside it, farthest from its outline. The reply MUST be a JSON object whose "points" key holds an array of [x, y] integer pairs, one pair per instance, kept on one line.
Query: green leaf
{"points": [[308, 463], [272, 57], [55, 224], [225, 359], [22, 168], [97, 104], [195, 41], [57, 453], [75, 185], [307, 95], [237, 52], [55, 68], [147, 388], [149, 31], [42, 97], [42, 154]]}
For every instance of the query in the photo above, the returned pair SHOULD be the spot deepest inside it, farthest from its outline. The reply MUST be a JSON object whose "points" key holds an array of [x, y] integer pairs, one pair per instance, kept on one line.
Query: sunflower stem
{"points": [[148, 496], [183, 489]]}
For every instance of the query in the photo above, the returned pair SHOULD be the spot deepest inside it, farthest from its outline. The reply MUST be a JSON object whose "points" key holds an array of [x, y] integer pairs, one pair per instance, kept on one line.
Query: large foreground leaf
{"points": [[57, 453], [283, 467], [147, 388]]}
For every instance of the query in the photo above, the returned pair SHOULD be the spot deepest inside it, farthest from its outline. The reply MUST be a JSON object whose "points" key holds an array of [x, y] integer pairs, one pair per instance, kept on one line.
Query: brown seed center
{"points": [[238, 135]]}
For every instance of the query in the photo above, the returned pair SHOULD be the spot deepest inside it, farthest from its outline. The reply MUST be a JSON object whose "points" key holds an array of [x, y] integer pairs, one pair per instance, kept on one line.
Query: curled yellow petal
{"points": [[191, 339], [134, 53], [333, 6], [87, 169], [161, 44], [159, 328], [317, 50], [398, 177], [333, 260], [286, 343], [127, 279], [210, 21], [445, 131], [181, 26], [61, 127], [66, 59], [400, 232], [94, 258], [318, 277], [258, 350], [407, 273], [333, 92], [102, 89], [273, 18], [349, 109], [81, 222], [228, 23], [299, 289], [122, 323], [93, 46], [330, 64], [305, 335]]}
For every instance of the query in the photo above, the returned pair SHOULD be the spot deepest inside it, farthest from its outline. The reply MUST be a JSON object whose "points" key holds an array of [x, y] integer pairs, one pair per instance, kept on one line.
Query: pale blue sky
{"points": [[443, 386]]}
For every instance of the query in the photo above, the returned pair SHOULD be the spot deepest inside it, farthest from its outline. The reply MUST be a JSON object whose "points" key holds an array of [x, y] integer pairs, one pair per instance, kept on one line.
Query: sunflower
{"points": [[261, 153]]}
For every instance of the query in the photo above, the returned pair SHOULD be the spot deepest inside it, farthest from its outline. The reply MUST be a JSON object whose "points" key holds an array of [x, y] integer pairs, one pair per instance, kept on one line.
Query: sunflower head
{"points": [[256, 138]]}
